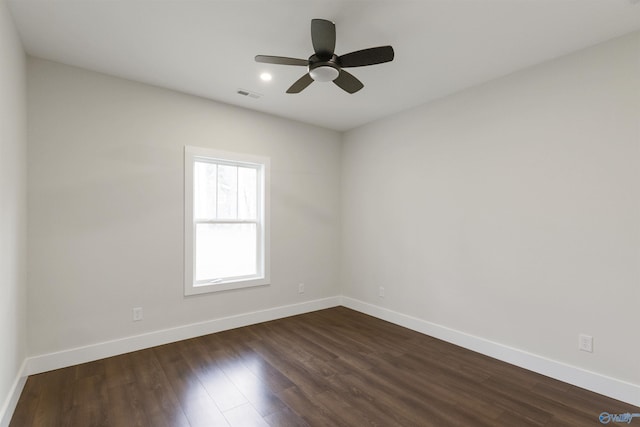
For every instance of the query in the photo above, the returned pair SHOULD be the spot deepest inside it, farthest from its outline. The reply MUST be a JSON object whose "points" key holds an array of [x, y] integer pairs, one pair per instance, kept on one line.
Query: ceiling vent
{"points": [[248, 93]]}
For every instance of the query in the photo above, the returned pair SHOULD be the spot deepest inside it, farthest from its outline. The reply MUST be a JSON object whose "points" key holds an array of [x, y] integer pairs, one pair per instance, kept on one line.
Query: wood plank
{"points": [[194, 401], [157, 397], [285, 418], [245, 416]]}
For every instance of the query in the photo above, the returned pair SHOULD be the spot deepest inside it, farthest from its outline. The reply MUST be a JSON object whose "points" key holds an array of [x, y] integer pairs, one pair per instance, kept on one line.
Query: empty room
{"points": [[319, 213]]}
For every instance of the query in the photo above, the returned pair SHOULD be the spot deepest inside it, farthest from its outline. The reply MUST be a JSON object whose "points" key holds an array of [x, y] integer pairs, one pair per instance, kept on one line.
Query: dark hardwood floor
{"points": [[334, 367]]}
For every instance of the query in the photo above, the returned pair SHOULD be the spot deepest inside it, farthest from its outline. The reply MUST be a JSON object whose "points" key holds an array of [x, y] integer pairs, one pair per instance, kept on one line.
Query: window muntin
{"points": [[226, 222]]}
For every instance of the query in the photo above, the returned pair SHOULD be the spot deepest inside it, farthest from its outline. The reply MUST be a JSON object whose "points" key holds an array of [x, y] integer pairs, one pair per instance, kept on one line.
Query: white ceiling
{"points": [[206, 47]]}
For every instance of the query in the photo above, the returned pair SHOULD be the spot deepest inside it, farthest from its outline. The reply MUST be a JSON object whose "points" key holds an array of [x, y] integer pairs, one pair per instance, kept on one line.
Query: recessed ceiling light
{"points": [[266, 77]]}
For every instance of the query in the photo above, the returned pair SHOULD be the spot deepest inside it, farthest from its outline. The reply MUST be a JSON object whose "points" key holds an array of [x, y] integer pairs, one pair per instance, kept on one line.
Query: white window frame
{"points": [[262, 164]]}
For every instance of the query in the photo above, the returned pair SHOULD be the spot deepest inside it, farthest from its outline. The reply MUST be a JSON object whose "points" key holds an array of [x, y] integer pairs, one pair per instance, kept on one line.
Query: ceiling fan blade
{"points": [[323, 37], [348, 82], [300, 84], [371, 56], [281, 60]]}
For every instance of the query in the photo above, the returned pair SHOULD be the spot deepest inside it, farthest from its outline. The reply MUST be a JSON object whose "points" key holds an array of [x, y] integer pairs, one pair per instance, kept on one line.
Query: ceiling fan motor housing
{"points": [[322, 70]]}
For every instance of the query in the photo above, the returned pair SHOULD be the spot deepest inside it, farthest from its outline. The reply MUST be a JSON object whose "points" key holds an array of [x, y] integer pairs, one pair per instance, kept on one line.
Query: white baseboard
{"points": [[9, 406], [614, 388], [74, 356]]}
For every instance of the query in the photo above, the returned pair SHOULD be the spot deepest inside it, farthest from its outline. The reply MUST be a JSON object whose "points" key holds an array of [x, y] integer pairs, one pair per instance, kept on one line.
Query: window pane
{"points": [[204, 191], [247, 193], [227, 192], [225, 250]]}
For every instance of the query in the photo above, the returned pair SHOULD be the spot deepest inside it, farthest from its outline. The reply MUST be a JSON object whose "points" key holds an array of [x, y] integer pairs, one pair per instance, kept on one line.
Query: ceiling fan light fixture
{"points": [[324, 73]]}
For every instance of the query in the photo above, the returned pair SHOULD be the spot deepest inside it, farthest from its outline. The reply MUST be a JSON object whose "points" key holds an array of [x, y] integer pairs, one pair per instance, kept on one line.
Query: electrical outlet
{"points": [[301, 288], [381, 292], [585, 343], [137, 314]]}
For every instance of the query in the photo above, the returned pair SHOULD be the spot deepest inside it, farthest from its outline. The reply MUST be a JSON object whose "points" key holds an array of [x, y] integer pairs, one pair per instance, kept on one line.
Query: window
{"points": [[226, 220]]}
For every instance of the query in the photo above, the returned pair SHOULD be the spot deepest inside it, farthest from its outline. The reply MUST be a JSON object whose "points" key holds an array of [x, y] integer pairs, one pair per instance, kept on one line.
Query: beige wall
{"points": [[509, 211], [13, 204], [106, 206]]}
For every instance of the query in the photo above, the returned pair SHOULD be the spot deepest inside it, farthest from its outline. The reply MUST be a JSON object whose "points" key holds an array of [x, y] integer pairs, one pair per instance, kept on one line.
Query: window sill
{"points": [[224, 286]]}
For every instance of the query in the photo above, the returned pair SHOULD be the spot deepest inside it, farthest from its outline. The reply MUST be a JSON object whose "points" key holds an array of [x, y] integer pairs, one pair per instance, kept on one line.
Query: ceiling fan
{"points": [[324, 65]]}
